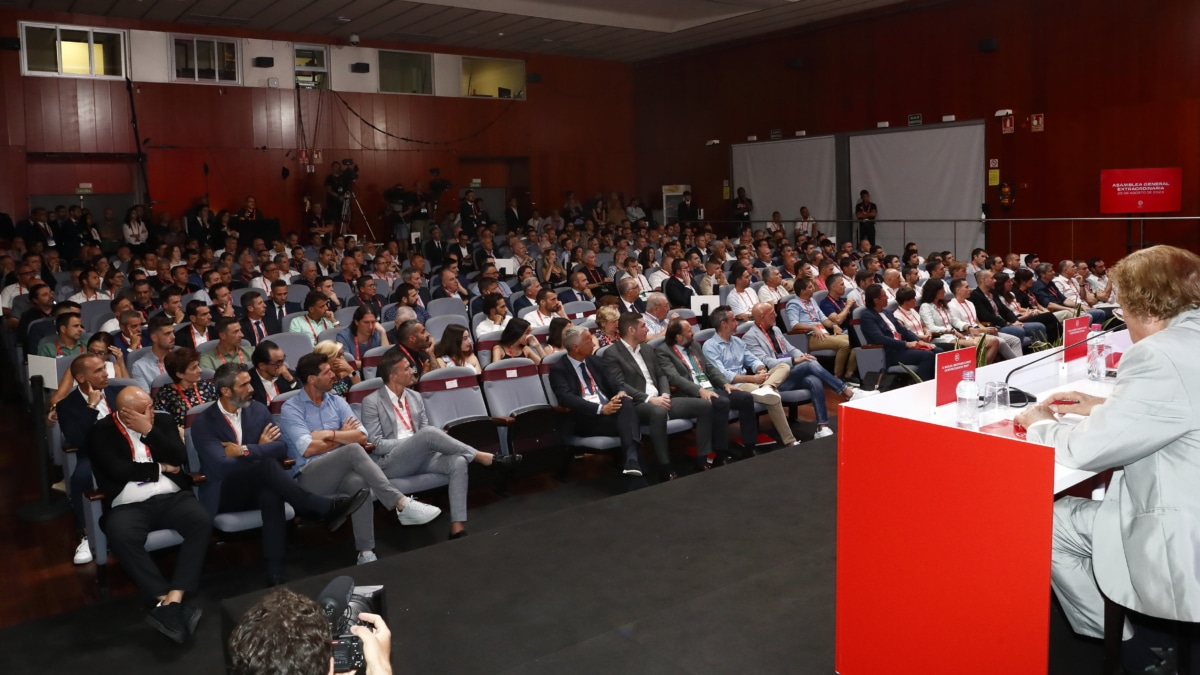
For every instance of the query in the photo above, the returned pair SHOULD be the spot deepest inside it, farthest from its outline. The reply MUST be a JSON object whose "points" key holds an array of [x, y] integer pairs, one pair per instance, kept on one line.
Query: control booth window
{"points": [[405, 73], [312, 67], [205, 59], [493, 78], [72, 51]]}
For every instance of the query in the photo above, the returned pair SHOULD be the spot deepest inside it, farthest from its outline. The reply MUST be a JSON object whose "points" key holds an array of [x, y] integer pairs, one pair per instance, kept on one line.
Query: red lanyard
{"points": [[357, 358], [402, 413], [970, 311], [591, 381], [908, 321], [132, 451], [312, 327], [895, 333], [241, 357], [186, 399], [197, 337], [945, 317], [58, 347]]}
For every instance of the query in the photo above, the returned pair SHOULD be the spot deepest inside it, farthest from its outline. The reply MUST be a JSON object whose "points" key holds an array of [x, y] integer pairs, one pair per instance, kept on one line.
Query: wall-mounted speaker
{"points": [[989, 45], [360, 67], [10, 44], [264, 62], [533, 78]]}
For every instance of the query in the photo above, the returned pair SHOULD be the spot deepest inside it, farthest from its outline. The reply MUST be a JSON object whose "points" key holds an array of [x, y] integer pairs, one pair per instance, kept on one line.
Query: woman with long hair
{"points": [[549, 271], [935, 319], [455, 349], [516, 342]]}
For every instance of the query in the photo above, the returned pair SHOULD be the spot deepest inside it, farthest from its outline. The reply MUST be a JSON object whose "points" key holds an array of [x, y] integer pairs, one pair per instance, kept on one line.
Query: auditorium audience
{"points": [[187, 389]]}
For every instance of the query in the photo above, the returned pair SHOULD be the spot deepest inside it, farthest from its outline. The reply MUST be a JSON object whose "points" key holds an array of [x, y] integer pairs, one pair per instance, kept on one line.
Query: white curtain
{"points": [[785, 175], [919, 175]]}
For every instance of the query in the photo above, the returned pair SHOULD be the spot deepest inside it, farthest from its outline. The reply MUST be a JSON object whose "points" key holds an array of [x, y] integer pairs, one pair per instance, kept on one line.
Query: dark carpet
{"points": [[730, 571]]}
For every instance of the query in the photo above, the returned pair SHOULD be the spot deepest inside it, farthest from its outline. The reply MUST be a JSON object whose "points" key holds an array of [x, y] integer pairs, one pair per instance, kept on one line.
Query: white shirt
{"points": [[135, 233], [536, 318], [133, 493], [653, 324], [910, 319], [651, 390], [400, 408], [890, 293], [269, 387], [234, 419], [261, 284], [10, 293], [742, 302], [766, 294], [488, 326], [1097, 284], [82, 297], [806, 226], [1067, 287], [656, 278]]}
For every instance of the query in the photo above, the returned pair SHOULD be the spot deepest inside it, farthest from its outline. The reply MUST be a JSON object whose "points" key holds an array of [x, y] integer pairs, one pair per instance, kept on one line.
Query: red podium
{"points": [[943, 551]]}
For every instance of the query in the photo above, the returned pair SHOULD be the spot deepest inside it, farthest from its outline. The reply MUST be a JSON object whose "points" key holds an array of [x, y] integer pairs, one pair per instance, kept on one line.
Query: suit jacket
{"points": [[1048, 293], [441, 293], [76, 419], [876, 332], [211, 429], [272, 321], [260, 388], [679, 374], [379, 418], [623, 369], [1145, 537], [521, 302], [512, 220], [570, 295], [688, 212], [639, 306], [992, 317], [434, 251], [760, 346], [183, 336], [564, 382], [112, 462], [248, 329], [678, 294]]}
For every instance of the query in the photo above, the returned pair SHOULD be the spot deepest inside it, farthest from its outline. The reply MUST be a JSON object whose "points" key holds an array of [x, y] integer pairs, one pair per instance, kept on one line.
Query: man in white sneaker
{"points": [[729, 355], [766, 343], [326, 440]]}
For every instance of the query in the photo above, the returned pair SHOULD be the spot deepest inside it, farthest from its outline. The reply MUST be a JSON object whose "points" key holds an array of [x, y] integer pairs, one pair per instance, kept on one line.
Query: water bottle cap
{"points": [[1096, 327], [968, 376]]}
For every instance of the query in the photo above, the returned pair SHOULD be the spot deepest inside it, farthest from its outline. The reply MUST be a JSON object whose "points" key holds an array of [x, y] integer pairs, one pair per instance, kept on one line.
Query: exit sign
{"points": [[914, 120], [84, 189]]}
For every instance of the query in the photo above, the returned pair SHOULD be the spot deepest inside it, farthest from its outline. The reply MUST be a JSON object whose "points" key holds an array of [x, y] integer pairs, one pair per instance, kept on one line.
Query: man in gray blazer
{"points": [[632, 362], [692, 375], [1140, 546], [766, 342], [405, 444]]}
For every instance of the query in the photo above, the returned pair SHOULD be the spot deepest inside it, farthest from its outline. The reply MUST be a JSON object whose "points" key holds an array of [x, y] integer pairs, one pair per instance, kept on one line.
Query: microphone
{"points": [[1018, 397], [335, 600]]}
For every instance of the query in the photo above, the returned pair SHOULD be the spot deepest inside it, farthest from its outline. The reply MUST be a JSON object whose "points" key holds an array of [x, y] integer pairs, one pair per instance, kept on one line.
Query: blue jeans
{"points": [[811, 376]]}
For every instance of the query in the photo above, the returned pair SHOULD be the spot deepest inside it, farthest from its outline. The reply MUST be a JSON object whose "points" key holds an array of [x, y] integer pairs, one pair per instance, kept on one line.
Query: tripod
{"points": [[348, 215]]}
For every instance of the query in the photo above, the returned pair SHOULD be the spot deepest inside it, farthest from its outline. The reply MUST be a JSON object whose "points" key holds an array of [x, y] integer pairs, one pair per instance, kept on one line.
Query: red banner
{"points": [[1141, 190], [1075, 330], [951, 366]]}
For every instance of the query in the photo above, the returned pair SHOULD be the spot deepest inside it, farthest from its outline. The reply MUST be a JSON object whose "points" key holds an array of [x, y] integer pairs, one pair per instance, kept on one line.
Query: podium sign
{"points": [[1075, 330], [949, 371]]}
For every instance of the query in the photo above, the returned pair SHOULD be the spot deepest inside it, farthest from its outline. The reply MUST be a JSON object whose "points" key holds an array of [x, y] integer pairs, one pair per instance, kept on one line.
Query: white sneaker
{"points": [[83, 552], [766, 396], [863, 393], [60, 486], [823, 432], [794, 443], [365, 557], [416, 513]]}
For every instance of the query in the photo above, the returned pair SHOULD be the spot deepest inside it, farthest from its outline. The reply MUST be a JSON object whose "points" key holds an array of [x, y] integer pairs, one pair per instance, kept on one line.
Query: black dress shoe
{"points": [[632, 467], [669, 476], [506, 462], [343, 507], [168, 620], [190, 616], [457, 535]]}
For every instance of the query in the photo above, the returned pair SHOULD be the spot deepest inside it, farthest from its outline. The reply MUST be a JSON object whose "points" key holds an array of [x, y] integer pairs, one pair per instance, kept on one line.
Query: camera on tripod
{"points": [[437, 185], [340, 603], [349, 172]]}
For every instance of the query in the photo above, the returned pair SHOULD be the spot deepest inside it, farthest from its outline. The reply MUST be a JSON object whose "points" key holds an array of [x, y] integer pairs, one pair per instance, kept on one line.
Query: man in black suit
{"points": [[632, 362], [366, 295], [462, 249], [578, 291], [678, 288], [468, 214], [200, 328], [688, 212], [630, 300], [487, 250], [279, 307], [140, 465], [92, 400], [691, 374], [598, 405], [435, 247], [269, 376], [240, 454], [254, 310], [451, 287]]}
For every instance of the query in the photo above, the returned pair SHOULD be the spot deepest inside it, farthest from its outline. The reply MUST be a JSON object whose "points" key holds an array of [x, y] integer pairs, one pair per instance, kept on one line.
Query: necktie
{"points": [[774, 343], [279, 317], [587, 381], [258, 331]]}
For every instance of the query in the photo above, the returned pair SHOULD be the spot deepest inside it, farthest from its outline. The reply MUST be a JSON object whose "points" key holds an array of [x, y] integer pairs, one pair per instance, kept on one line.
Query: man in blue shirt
{"points": [[326, 440], [802, 314], [729, 355]]}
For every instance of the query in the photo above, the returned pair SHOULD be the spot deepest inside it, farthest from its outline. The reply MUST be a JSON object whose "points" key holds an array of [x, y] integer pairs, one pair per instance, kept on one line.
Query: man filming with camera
{"points": [[286, 633]]}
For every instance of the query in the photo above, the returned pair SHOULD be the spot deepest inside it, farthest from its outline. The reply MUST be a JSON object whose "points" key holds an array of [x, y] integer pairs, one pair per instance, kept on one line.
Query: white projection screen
{"points": [[785, 175], [922, 175]]}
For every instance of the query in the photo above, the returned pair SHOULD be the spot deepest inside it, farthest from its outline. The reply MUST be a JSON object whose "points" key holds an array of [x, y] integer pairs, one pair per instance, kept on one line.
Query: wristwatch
{"points": [[245, 451]]}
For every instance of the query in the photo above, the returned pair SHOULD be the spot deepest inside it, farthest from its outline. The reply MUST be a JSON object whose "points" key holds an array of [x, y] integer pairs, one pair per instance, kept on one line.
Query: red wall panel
{"points": [[1119, 83]]}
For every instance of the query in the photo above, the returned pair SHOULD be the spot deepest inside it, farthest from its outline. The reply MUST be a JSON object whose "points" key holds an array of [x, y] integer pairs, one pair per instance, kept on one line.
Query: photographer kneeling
{"points": [[286, 633]]}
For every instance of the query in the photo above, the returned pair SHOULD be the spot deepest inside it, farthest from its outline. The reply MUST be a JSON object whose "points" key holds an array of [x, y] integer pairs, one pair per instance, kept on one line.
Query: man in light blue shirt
{"points": [[729, 355], [326, 440], [803, 314]]}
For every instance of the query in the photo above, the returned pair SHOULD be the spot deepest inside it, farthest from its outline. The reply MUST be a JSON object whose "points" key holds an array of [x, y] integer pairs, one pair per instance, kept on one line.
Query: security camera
{"points": [[1003, 112], [354, 40]]}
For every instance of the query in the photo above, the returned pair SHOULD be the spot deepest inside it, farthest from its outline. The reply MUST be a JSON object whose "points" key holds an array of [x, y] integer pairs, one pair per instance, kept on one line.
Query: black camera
{"points": [[340, 603], [349, 171]]}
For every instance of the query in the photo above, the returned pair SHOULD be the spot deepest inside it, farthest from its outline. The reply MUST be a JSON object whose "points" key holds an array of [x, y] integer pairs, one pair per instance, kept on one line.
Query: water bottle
{"points": [[1095, 363], [968, 401]]}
